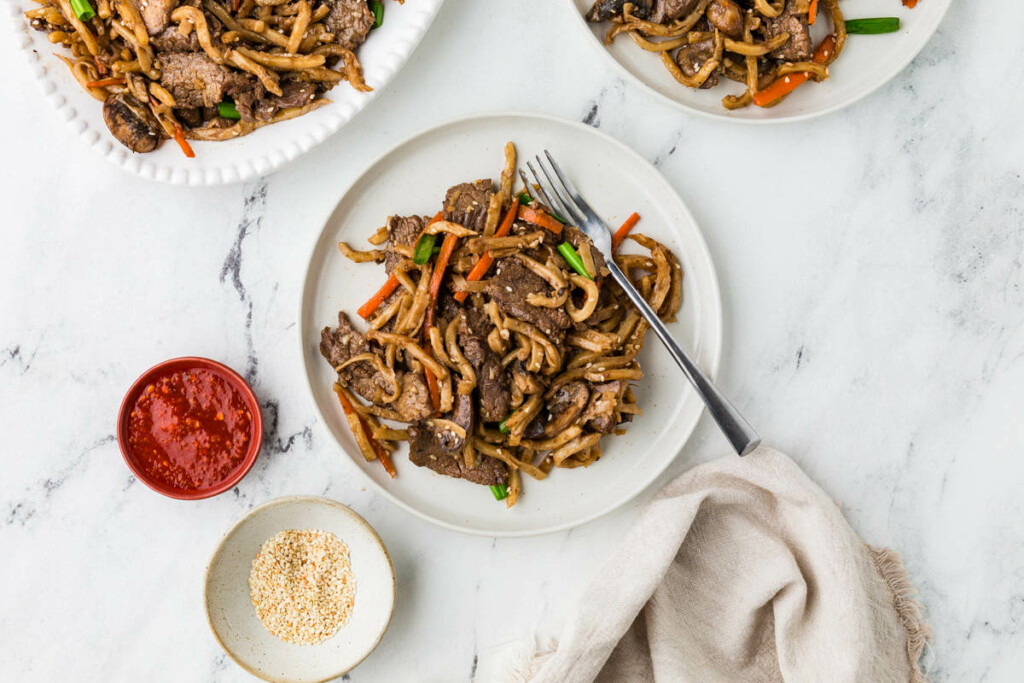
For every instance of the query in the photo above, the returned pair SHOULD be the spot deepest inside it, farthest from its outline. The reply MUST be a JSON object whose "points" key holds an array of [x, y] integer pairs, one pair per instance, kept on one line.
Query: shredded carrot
{"points": [[447, 247], [480, 268], [104, 82], [179, 137], [367, 309], [382, 454], [621, 233], [435, 392], [812, 13], [909, 3], [791, 82], [541, 218]]}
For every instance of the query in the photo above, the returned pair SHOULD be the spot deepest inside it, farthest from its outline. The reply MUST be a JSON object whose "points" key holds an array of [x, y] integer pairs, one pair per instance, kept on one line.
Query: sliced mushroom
{"points": [[727, 17], [566, 405], [131, 123]]}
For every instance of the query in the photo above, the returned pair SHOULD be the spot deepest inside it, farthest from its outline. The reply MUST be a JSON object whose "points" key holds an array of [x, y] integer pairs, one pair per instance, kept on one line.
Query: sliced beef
{"points": [[509, 287], [156, 14], [440, 449], [131, 123], [339, 344], [349, 21], [492, 383], [195, 80], [600, 410], [425, 452], [727, 17], [565, 406], [414, 402], [259, 105], [691, 58], [170, 40], [579, 241], [603, 10], [402, 230], [467, 203], [798, 47]]}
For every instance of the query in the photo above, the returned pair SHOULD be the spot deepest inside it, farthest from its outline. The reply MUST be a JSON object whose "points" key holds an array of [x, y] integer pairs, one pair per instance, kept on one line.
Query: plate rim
{"points": [[715, 347], [275, 157], [291, 500], [724, 115]]}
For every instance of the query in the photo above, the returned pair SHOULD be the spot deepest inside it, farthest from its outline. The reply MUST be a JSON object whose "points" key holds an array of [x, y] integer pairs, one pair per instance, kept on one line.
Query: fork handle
{"points": [[739, 432]]}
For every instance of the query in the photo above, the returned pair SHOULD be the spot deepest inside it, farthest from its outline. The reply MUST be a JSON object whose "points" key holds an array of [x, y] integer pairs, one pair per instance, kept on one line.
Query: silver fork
{"points": [[563, 196]]}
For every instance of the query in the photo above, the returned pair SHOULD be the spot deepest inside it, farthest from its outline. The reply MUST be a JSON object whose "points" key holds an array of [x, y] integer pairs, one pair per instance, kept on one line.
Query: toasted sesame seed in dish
{"points": [[301, 585], [300, 589]]}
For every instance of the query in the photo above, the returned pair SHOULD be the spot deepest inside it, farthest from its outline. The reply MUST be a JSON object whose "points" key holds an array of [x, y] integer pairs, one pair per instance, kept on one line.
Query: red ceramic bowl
{"points": [[191, 363]]}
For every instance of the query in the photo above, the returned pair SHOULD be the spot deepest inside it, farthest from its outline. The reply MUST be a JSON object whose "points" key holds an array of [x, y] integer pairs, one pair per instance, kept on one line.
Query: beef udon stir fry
{"points": [[499, 340], [207, 69], [765, 45]]}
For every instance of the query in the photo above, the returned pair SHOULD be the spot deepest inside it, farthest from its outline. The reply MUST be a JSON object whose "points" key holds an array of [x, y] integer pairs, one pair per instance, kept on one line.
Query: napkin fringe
{"points": [[526, 660], [890, 566]]}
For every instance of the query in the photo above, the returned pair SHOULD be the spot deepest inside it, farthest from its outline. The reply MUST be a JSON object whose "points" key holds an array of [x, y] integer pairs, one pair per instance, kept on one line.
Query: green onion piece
{"points": [[874, 25], [573, 259], [82, 9], [503, 428], [227, 110], [424, 249], [377, 7], [557, 217], [525, 199], [500, 491]]}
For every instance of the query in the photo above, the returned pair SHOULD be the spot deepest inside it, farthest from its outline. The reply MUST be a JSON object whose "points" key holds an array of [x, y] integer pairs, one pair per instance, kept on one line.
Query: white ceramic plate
{"points": [[868, 62], [234, 621], [267, 149], [412, 178]]}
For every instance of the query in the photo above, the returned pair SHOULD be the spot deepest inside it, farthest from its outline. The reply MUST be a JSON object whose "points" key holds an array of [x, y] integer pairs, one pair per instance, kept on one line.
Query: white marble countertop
{"points": [[874, 330]]}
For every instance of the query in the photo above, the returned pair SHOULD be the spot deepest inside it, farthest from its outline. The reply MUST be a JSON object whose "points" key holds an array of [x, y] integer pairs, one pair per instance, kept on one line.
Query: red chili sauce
{"points": [[190, 429]]}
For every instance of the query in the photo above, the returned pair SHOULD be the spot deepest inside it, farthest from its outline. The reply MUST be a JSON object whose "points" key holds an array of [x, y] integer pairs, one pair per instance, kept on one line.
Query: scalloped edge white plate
{"points": [[265, 150], [867, 63], [411, 178]]}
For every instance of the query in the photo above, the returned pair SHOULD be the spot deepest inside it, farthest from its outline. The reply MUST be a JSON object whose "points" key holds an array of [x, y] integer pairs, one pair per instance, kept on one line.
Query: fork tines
{"points": [[562, 196]]}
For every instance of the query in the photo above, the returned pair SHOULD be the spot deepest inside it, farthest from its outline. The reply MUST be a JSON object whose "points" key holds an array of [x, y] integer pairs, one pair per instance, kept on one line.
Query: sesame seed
{"points": [[301, 585]]}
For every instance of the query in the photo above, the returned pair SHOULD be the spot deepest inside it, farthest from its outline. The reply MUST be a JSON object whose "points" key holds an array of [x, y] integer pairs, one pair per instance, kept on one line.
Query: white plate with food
{"points": [[514, 409], [248, 87], [301, 589], [673, 47]]}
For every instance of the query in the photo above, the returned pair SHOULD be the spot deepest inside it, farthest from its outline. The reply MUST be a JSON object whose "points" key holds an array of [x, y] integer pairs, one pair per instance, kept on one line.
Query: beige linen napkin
{"points": [[741, 569]]}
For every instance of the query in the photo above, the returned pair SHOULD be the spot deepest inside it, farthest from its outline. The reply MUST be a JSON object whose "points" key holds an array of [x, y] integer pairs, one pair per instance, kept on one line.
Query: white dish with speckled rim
{"points": [[233, 619], [868, 62], [412, 179], [265, 150]]}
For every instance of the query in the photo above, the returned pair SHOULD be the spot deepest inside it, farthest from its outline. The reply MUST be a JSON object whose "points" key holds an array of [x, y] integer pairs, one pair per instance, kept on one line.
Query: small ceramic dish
{"points": [[233, 619], [235, 381]]}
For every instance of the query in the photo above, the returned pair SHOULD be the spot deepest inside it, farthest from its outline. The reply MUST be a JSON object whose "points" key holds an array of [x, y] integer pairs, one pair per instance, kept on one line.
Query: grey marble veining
{"points": [[871, 267]]}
